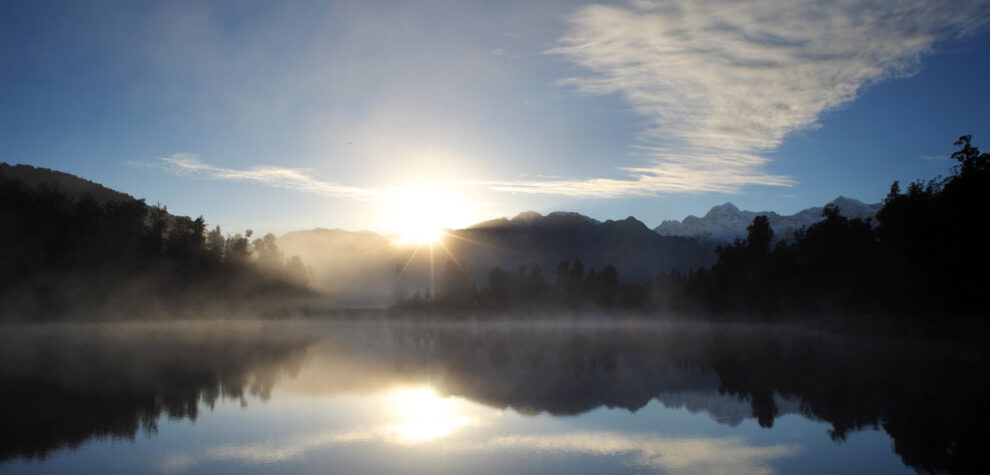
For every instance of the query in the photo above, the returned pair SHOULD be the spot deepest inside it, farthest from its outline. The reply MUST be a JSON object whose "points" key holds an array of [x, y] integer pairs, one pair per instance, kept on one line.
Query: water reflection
{"points": [[662, 454], [638, 451], [420, 415], [66, 384], [443, 389], [408, 417]]}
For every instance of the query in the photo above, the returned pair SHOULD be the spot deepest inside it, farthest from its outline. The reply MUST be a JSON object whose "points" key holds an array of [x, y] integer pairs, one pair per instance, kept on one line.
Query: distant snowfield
{"points": [[726, 222]]}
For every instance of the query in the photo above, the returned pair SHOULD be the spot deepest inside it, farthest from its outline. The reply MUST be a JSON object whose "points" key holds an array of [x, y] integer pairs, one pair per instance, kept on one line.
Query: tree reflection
{"points": [[63, 388], [65, 385], [925, 395]]}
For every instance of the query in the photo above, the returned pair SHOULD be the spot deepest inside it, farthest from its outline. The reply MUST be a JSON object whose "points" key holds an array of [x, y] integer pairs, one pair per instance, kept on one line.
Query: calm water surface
{"points": [[380, 397]]}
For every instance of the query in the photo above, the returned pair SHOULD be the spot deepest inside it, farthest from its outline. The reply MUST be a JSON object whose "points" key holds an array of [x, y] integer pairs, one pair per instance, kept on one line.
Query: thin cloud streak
{"points": [[723, 82], [408, 195], [185, 164], [683, 173], [680, 173]]}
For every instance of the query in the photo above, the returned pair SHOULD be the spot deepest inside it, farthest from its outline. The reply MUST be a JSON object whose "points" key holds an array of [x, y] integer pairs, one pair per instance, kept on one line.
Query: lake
{"points": [[489, 397]]}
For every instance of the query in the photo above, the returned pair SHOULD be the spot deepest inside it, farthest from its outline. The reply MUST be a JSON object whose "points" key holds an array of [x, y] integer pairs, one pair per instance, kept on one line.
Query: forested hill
{"points": [[70, 184], [67, 254]]}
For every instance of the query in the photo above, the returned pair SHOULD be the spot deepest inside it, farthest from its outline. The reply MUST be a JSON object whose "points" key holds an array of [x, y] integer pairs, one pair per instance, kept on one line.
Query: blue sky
{"points": [[363, 115]]}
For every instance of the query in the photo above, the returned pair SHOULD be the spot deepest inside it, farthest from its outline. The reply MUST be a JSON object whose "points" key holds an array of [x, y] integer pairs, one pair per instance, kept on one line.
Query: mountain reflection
{"points": [[67, 385], [652, 452]]}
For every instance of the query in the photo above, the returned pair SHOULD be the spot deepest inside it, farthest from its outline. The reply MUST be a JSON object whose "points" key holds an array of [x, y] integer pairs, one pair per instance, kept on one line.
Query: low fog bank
{"points": [[353, 269], [146, 297]]}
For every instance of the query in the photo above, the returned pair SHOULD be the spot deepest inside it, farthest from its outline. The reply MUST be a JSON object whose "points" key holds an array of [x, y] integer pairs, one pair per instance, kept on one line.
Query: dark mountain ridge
{"points": [[366, 269], [530, 238]]}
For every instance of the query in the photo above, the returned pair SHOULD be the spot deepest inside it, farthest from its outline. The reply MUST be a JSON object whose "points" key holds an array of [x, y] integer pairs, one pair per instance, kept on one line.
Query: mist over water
{"points": [[544, 396], [494, 237]]}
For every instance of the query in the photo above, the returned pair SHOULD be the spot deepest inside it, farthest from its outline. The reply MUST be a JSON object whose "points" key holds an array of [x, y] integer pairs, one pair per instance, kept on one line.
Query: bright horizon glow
{"points": [[419, 214]]}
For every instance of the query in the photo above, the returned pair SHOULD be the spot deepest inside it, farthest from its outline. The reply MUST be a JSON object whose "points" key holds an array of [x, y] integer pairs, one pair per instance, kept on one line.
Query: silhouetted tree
{"points": [[267, 252], [216, 243], [759, 235], [457, 288], [563, 274], [500, 284], [238, 249], [185, 237]]}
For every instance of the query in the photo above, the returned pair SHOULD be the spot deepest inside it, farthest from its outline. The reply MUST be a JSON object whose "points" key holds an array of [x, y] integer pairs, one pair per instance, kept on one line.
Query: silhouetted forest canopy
{"points": [[923, 259], [73, 249]]}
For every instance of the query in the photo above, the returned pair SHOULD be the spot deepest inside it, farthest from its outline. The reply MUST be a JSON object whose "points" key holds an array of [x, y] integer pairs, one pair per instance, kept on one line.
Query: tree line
{"points": [[923, 257], [68, 253], [527, 288]]}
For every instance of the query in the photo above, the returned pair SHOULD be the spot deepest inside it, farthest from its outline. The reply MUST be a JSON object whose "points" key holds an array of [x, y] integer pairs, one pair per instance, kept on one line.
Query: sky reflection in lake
{"points": [[432, 399], [448, 432]]}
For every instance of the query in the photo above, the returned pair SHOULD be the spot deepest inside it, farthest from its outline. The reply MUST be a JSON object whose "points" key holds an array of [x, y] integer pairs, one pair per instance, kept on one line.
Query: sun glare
{"points": [[421, 213], [420, 415]]}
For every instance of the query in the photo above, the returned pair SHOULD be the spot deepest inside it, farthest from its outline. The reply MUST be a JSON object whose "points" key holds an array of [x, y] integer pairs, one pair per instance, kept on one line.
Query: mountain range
{"points": [[530, 238], [725, 223], [361, 268], [364, 268]]}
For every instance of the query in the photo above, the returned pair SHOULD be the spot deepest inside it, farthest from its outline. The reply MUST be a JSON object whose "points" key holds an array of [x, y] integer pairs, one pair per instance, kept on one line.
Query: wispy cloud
{"points": [[405, 200], [723, 82], [291, 178], [679, 171]]}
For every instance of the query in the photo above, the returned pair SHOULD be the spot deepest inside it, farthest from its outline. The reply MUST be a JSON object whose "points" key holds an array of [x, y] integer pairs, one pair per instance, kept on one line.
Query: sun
{"points": [[420, 214], [422, 232]]}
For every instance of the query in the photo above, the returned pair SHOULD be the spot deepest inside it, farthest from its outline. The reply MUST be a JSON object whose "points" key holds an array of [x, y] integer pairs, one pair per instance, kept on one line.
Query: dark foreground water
{"points": [[316, 397]]}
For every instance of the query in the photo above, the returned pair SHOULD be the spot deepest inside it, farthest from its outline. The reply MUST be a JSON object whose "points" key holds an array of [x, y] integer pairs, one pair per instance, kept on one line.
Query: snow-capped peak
{"points": [[726, 222], [725, 209]]}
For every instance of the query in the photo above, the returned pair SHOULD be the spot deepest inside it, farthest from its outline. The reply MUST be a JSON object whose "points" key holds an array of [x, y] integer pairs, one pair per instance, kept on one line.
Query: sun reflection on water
{"points": [[422, 421], [420, 415]]}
